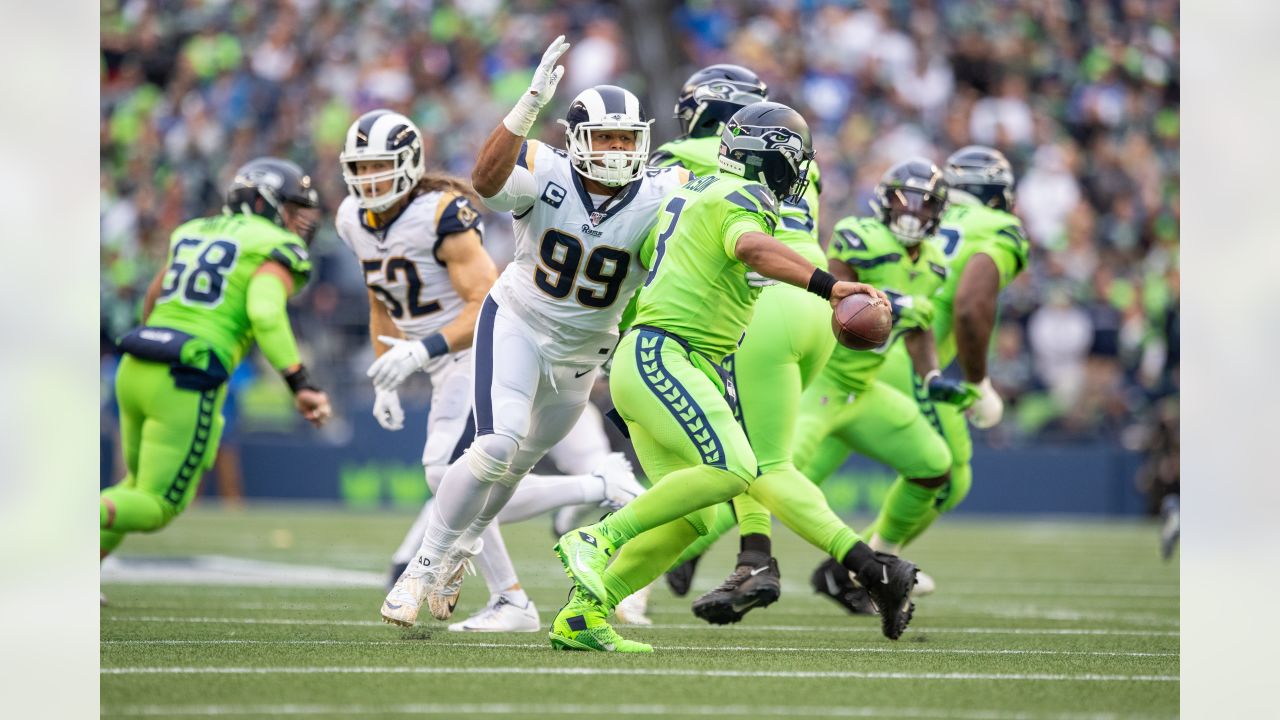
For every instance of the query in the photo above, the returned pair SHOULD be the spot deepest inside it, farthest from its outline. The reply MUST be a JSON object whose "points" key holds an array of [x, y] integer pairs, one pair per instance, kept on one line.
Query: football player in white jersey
{"points": [[418, 239], [552, 317]]}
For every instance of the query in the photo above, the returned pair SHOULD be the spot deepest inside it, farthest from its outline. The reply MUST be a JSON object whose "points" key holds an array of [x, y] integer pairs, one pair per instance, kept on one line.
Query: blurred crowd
{"points": [[1082, 96]]}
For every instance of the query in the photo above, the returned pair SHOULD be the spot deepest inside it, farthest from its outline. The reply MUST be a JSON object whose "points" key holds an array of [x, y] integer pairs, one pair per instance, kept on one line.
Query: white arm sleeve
{"points": [[517, 194]]}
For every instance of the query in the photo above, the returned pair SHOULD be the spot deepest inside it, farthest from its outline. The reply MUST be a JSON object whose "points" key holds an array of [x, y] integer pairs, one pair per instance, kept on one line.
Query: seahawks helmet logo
{"points": [[736, 93], [785, 141]]}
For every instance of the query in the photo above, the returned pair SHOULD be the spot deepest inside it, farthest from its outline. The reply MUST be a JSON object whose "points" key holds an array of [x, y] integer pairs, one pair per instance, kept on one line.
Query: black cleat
{"points": [[890, 592], [756, 583], [680, 578], [832, 580]]}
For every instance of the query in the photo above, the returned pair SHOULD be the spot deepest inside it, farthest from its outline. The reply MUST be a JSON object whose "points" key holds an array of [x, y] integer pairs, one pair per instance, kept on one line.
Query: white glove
{"points": [[755, 279], [387, 410], [403, 359], [545, 79], [987, 410]]}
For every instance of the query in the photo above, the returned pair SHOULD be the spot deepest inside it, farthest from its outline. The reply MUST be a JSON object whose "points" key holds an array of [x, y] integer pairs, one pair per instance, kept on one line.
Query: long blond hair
{"points": [[438, 181]]}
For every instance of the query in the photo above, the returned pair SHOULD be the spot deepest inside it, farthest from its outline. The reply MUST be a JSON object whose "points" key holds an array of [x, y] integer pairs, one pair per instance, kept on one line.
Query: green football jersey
{"points": [[968, 230], [697, 287], [206, 287], [799, 227], [871, 250]]}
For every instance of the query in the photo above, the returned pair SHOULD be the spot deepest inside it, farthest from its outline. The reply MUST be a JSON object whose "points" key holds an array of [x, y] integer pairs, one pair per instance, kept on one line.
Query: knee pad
{"points": [[489, 457], [434, 473], [934, 461]]}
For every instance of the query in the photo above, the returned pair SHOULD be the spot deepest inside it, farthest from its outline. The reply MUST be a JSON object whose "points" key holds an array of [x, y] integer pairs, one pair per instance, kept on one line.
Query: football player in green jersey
{"points": [[985, 249], [785, 347], [225, 287], [849, 407], [677, 400], [707, 100]]}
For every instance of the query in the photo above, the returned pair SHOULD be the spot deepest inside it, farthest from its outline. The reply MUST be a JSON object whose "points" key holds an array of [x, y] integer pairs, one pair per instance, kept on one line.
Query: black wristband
{"points": [[299, 380], [436, 345], [821, 282]]}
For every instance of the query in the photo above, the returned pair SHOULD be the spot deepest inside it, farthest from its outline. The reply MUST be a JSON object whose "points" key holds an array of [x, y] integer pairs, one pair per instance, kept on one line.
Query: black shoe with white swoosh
{"points": [[890, 591], [756, 582], [833, 580]]}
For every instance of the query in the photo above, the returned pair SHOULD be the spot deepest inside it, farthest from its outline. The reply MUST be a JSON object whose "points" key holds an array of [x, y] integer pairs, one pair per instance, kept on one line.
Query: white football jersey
{"points": [[400, 263], [576, 266]]}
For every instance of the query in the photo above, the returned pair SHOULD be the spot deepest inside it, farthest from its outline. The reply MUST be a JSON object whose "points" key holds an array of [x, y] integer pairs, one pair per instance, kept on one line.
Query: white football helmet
{"points": [[607, 107], [382, 135]]}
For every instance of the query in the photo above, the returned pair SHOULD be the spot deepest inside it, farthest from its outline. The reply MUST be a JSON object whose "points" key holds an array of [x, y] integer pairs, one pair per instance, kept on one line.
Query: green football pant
{"points": [[948, 421], [786, 347], [169, 438], [885, 425], [684, 433]]}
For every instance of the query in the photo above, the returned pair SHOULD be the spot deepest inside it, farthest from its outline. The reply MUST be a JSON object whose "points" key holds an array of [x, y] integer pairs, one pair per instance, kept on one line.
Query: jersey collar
{"points": [[612, 205], [381, 232]]}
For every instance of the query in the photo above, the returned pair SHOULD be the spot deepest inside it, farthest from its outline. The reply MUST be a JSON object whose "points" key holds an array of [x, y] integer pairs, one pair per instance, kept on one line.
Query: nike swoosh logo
{"points": [[884, 574], [392, 606], [577, 561], [759, 570], [745, 606], [584, 372], [832, 587]]}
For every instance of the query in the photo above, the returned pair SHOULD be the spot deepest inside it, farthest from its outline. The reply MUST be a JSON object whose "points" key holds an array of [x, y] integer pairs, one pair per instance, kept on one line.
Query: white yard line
{"points": [[633, 672], [896, 650], [522, 709], [761, 628]]}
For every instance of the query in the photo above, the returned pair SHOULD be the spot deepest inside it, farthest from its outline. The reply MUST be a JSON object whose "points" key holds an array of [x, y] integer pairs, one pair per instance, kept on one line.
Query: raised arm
{"points": [[498, 156]]}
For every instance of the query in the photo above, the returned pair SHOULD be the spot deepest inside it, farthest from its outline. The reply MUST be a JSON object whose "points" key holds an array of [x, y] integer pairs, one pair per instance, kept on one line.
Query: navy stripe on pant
{"points": [[483, 380], [677, 399]]}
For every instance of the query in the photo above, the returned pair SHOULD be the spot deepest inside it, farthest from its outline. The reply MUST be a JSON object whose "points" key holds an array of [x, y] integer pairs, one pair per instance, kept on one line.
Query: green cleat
{"points": [[581, 625], [585, 552]]}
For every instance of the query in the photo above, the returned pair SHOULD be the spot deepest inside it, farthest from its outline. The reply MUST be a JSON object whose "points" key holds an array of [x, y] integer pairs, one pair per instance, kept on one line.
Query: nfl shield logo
{"points": [[596, 217]]}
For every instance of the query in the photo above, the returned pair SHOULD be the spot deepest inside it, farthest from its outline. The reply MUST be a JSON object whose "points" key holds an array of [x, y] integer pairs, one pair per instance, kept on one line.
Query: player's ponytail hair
{"points": [[437, 181]]}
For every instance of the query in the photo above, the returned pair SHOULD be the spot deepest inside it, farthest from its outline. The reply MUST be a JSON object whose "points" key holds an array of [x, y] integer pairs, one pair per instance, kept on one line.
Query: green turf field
{"points": [[1048, 619]]}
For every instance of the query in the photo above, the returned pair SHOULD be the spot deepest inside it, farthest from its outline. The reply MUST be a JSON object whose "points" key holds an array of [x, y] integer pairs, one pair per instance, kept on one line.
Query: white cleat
{"points": [[620, 484], [632, 609], [501, 615], [924, 585], [405, 599], [444, 598]]}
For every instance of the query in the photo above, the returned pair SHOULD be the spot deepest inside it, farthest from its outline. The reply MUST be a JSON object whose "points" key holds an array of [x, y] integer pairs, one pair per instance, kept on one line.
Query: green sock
{"points": [[957, 489], [802, 507], [680, 493], [725, 519], [904, 507], [753, 518], [646, 557]]}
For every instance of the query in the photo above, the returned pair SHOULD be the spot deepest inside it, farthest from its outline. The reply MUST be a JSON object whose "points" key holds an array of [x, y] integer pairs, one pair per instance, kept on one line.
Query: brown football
{"points": [[862, 322]]}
